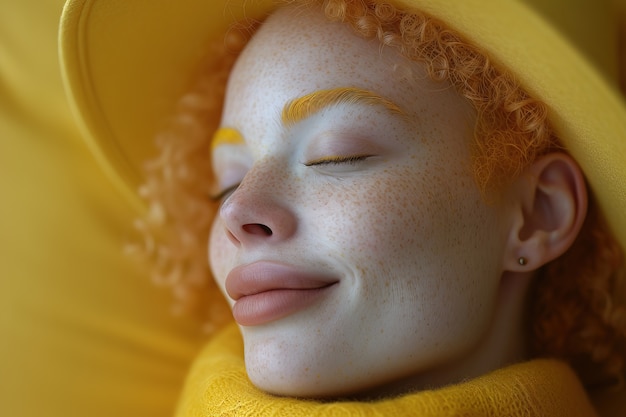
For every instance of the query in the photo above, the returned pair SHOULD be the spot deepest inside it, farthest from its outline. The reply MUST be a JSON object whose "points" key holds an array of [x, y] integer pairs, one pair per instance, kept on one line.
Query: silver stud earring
{"points": [[522, 261]]}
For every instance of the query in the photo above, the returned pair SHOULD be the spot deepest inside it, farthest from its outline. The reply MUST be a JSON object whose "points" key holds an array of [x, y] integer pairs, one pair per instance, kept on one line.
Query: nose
{"points": [[255, 213]]}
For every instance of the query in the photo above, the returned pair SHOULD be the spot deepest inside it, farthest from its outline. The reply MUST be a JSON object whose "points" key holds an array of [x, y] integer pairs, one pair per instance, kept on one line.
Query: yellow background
{"points": [[82, 330]]}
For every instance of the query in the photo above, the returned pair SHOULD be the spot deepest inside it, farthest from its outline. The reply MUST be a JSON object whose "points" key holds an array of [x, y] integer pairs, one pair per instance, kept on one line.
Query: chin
{"points": [[293, 381], [304, 379], [291, 377], [310, 387]]}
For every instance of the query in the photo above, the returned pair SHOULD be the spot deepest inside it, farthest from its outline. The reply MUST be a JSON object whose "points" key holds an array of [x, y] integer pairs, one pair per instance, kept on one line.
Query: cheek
{"points": [[415, 232], [400, 211]]}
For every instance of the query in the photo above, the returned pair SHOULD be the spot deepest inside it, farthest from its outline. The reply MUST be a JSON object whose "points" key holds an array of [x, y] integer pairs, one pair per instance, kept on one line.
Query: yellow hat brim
{"points": [[125, 64]]}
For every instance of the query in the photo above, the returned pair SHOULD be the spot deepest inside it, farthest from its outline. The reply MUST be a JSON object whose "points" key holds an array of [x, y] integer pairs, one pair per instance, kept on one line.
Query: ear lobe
{"points": [[549, 206]]}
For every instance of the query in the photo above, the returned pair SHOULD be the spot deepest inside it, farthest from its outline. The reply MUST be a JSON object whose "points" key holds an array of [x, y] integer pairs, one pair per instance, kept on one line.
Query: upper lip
{"points": [[265, 276]]}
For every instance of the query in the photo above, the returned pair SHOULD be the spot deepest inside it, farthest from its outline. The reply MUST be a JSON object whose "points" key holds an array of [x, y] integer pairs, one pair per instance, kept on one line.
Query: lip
{"points": [[267, 291]]}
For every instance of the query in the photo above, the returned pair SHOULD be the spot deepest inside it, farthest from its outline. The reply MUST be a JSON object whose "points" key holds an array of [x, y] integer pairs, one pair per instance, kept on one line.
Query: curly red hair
{"points": [[575, 312]]}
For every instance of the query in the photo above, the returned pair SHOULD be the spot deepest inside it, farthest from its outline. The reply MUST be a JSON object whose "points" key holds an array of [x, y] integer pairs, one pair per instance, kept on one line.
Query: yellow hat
{"points": [[126, 62]]}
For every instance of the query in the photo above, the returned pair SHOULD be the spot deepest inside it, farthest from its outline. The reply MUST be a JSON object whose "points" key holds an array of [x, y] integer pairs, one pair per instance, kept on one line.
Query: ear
{"points": [[549, 206]]}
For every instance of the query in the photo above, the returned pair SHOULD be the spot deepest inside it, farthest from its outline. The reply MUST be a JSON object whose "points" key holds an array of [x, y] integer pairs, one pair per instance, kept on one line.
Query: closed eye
{"points": [[336, 160]]}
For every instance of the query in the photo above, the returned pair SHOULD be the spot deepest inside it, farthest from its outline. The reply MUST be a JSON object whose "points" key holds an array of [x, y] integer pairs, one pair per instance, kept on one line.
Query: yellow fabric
{"points": [[218, 386], [83, 332]]}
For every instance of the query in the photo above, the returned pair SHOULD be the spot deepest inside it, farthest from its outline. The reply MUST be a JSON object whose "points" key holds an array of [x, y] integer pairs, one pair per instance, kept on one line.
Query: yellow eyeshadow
{"points": [[227, 136]]}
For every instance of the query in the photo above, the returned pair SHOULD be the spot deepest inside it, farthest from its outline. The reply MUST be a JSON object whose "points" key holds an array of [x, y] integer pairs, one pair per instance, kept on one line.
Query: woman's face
{"points": [[356, 251]]}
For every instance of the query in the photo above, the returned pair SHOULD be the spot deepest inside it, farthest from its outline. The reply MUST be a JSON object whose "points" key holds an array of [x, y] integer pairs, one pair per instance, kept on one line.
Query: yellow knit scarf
{"points": [[218, 386]]}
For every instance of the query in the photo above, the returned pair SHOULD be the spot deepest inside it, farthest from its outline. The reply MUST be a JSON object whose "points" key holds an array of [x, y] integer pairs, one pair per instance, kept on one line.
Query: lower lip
{"points": [[267, 306]]}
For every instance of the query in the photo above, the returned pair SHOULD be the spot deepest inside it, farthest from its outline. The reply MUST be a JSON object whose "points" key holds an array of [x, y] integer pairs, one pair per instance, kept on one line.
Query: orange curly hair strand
{"points": [[178, 182]]}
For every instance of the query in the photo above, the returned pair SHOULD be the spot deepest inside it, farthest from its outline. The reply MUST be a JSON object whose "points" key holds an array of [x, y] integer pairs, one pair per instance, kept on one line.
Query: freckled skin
{"points": [[417, 252]]}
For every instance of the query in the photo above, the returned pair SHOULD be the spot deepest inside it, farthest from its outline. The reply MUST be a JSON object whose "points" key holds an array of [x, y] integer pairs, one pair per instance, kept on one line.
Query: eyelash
{"points": [[224, 193], [332, 160]]}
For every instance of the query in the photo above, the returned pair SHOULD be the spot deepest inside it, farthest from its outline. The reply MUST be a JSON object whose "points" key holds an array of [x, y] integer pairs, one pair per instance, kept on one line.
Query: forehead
{"points": [[298, 51]]}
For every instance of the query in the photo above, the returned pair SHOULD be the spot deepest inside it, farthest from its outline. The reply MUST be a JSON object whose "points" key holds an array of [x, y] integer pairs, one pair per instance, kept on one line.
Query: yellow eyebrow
{"points": [[306, 106], [226, 136]]}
